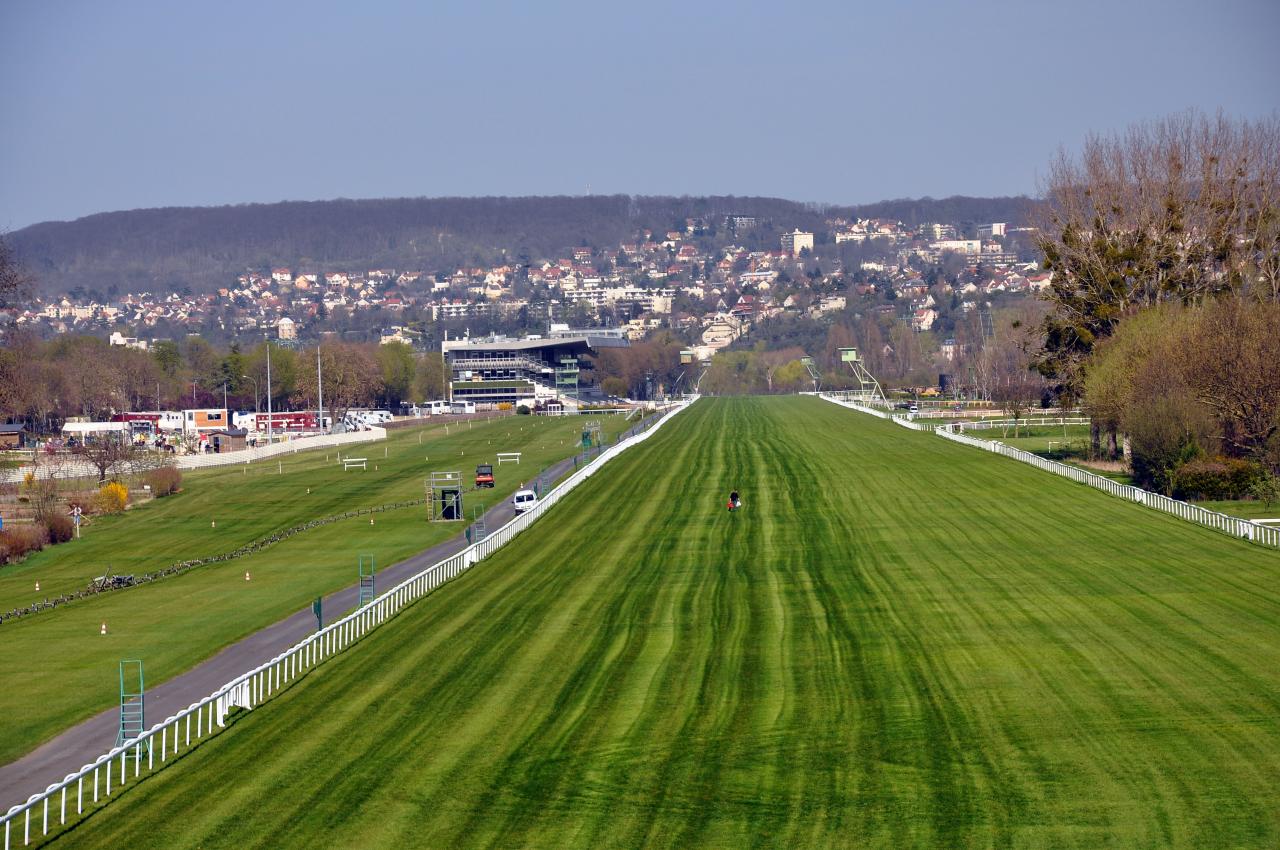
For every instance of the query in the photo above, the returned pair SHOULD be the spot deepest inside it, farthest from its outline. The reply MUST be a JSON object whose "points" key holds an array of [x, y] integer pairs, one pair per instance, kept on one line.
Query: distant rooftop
{"points": [[583, 340]]}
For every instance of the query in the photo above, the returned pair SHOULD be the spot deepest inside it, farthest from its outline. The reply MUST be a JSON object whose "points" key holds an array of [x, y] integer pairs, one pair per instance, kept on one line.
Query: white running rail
{"points": [[111, 772], [1235, 526], [74, 468]]}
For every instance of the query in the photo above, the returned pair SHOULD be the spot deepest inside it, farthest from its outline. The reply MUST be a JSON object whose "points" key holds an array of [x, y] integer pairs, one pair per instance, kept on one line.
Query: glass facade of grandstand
{"points": [[496, 371]]}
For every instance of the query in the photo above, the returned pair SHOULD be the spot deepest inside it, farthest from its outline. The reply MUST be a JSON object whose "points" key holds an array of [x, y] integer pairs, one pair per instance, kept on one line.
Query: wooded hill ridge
{"points": [[202, 248]]}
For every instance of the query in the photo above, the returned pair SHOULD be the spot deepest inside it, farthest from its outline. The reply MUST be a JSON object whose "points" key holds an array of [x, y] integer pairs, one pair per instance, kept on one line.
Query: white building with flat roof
{"points": [[797, 241]]}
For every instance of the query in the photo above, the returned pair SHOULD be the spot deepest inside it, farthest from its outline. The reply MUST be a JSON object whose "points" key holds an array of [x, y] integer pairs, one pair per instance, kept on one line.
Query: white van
{"points": [[524, 500]]}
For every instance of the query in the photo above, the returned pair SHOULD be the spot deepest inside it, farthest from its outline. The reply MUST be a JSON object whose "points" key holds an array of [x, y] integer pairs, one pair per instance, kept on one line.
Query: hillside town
{"points": [[696, 281]]}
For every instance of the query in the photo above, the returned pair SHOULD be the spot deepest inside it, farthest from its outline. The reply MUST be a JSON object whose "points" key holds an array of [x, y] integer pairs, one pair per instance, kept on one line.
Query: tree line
{"points": [[42, 383], [200, 248], [1164, 243]]}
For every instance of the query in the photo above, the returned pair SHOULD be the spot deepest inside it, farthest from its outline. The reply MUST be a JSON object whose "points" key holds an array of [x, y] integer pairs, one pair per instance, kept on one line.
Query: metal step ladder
{"points": [[133, 716], [367, 592]]}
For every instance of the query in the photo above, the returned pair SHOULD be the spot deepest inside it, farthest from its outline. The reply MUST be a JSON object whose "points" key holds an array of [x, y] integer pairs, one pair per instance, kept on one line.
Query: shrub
{"points": [[615, 386], [113, 497], [16, 542], [522, 410], [1216, 478], [164, 481], [61, 528], [1164, 435], [1266, 489], [504, 405]]}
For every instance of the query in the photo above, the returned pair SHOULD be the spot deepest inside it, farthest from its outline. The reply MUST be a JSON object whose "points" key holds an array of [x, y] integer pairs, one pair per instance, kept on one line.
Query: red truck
{"points": [[484, 475]]}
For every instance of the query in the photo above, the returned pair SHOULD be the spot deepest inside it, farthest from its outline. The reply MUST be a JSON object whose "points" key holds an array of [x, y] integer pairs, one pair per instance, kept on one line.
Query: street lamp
{"points": [[255, 391]]}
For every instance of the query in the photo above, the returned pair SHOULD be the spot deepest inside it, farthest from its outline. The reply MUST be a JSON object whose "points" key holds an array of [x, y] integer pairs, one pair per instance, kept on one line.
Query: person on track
{"points": [[734, 501]]}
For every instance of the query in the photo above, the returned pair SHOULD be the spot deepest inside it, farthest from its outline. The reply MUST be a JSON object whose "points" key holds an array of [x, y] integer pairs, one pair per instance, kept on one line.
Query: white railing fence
{"points": [[94, 783], [75, 468], [1235, 526], [853, 405], [1031, 422], [294, 446], [879, 414]]}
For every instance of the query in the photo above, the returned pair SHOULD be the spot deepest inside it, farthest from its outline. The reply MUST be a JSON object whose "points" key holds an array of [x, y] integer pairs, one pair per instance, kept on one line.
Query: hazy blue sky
{"points": [[117, 105]]}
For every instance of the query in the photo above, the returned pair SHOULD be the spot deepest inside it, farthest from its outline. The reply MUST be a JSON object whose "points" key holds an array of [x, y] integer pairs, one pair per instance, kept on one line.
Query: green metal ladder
{"points": [[367, 592], [133, 718]]}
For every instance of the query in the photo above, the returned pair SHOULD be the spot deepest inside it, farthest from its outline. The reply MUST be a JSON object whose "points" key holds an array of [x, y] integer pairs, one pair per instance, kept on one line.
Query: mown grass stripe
{"points": [[895, 644]]}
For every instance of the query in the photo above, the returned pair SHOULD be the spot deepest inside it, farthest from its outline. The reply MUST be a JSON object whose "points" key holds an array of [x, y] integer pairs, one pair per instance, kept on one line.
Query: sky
{"points": [[129, 104]]}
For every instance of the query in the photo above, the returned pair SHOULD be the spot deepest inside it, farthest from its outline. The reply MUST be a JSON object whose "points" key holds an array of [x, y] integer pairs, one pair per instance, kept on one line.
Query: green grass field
{"points": [[1044, 440], [1047, 441], [1244, 508], [57, 669], [898, 642]]}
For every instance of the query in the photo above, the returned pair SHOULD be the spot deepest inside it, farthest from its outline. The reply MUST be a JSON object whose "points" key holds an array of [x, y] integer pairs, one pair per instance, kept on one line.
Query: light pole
{"points": [[268, 392], [255, 390], [319, 393]]}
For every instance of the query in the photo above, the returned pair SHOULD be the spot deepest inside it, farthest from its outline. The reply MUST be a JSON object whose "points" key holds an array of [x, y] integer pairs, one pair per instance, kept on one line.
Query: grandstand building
{"points": [[495, 370]]}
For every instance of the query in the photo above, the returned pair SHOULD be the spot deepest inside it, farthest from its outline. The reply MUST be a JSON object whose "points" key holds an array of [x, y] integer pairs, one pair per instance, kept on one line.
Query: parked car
{"points": [[524, 500]]}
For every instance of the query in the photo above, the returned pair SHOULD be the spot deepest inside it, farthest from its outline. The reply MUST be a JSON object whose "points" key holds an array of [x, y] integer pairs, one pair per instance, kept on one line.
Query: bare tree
{"points": [[112, 457], [1230, 358], [1181, 209], [14, 279], [351, 378], [772, 361]]}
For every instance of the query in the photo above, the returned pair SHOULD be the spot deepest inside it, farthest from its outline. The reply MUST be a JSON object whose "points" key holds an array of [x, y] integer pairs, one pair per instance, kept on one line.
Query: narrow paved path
{"points": [[84, 742]]}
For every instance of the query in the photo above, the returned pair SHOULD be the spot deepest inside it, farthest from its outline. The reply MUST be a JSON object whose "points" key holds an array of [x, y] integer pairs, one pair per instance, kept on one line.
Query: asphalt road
{"points": [[83, 743]]}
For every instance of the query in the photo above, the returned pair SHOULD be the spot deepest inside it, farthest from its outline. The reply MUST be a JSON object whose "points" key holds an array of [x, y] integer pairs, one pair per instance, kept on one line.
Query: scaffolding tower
{"points": [[567, 377], [478, 530], [592, 434], [869, 391], [814, 374], [444, 489]]}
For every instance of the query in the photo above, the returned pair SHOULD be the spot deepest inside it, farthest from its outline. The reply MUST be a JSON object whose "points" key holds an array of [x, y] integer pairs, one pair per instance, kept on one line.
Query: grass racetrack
{"points": [[56, 669], [897, 642]]}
